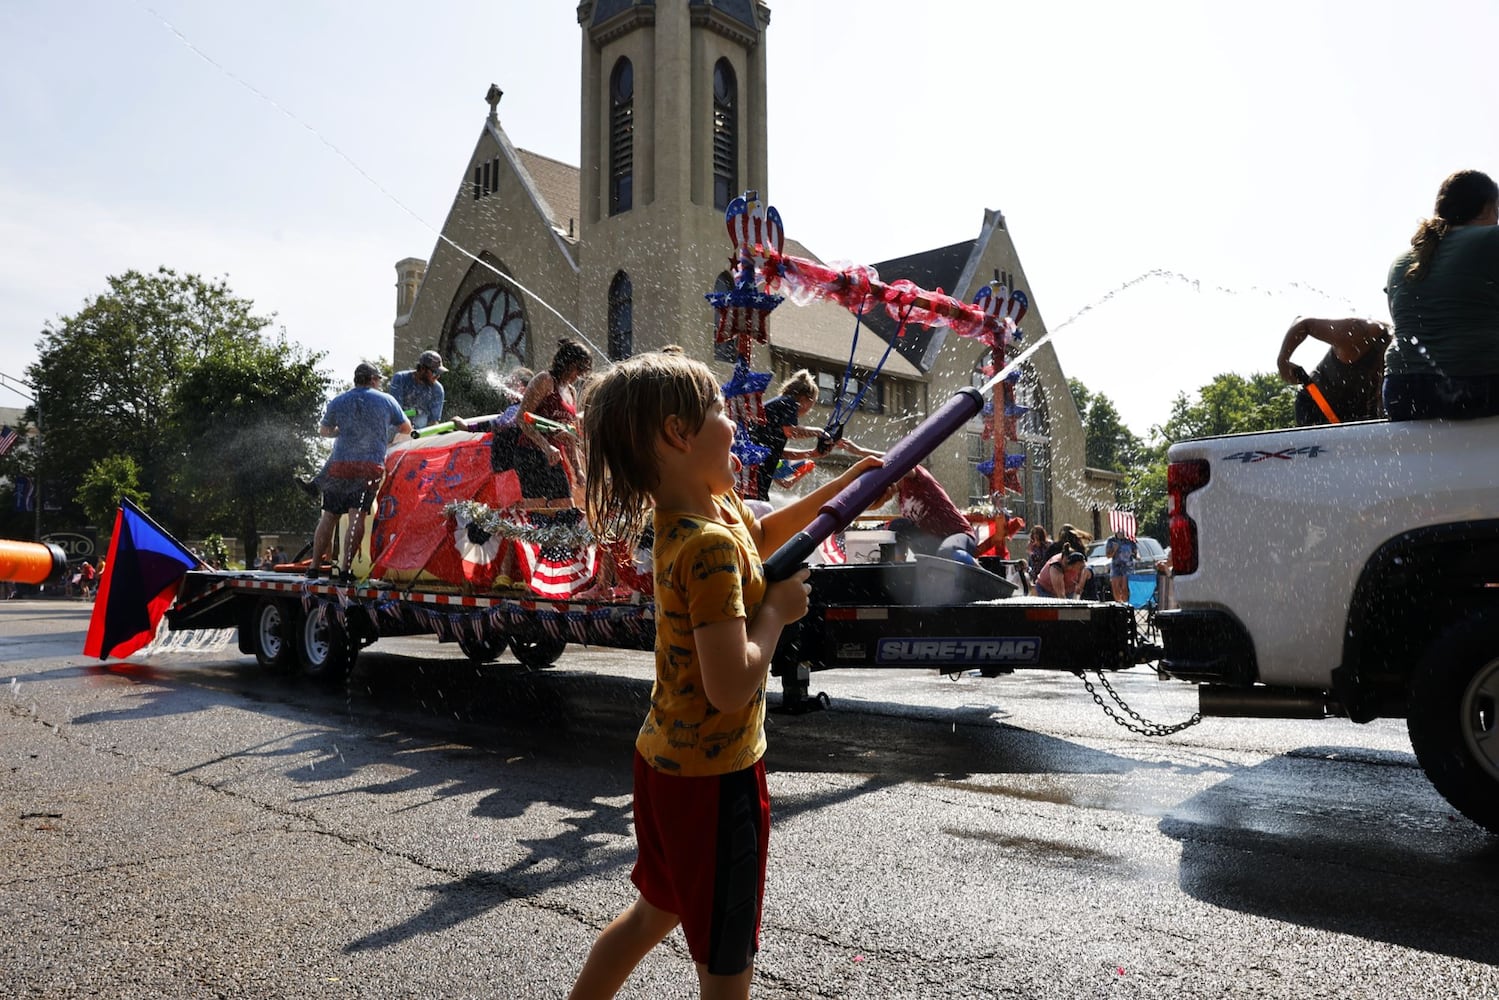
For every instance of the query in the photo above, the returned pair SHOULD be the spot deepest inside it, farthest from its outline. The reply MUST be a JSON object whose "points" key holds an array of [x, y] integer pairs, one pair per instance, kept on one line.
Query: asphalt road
{"points": [[192, 826]]}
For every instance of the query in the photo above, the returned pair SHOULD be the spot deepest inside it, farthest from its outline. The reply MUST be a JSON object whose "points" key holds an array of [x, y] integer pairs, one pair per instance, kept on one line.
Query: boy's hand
{"points": [[789, 596]]}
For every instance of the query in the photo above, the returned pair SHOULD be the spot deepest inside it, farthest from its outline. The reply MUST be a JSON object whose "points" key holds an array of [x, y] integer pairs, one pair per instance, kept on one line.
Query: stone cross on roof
{"points": [[493, 97]]}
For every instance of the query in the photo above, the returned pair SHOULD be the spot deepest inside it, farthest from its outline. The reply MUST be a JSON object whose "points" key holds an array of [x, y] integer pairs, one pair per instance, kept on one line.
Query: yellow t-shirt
{"points": [[706, 572]]}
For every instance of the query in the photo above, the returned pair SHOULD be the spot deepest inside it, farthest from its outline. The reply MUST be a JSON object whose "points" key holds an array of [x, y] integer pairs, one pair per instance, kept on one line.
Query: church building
{"points": [[625, 245]]}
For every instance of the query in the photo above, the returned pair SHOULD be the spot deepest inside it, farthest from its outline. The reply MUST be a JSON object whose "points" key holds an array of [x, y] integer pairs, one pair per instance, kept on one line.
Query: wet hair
{"points": [[569, 353], [624, 413], [800, 384], [1462, 198], [1073, 539]]}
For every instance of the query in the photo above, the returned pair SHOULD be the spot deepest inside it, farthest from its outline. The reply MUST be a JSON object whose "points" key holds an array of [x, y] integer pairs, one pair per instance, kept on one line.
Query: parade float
{"points": [[454, 548]]}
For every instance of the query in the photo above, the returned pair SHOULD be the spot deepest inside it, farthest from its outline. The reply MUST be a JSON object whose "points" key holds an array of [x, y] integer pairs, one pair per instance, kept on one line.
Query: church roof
{"points": [[931, 269], [605, 9], [557, 183], [742, 11]]}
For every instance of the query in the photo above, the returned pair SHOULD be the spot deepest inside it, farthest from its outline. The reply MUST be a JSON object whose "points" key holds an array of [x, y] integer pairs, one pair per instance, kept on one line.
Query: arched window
{"points": [[725, 134], [621, 137], [621, 318], [724, 351], [489, 331]]}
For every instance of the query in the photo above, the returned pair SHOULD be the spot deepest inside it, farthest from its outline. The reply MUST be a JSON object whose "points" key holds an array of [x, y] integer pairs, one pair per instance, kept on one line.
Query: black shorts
{"points": [[539, 479], [340, 495]]}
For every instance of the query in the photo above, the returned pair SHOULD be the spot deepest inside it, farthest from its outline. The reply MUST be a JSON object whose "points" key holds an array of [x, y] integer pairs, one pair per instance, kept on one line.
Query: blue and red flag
{"points": [[141, 574]]}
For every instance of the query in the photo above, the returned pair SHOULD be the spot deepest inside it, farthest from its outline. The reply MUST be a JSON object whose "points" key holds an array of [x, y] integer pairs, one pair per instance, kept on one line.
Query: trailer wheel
{"points": [[1454, 717], [537, 653], [323, 647], [271, 633], [483, 650]]}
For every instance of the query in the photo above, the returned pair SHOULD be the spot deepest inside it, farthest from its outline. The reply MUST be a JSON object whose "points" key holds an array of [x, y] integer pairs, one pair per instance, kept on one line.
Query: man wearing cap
{"points": [[360, 422], [418, 389]]}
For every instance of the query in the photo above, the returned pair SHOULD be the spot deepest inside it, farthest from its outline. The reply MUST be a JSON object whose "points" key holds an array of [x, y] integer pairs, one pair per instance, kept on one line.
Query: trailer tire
{"points": [[483, 650], [272, 625], [537, 653], [1452, 717], [323, 647]]}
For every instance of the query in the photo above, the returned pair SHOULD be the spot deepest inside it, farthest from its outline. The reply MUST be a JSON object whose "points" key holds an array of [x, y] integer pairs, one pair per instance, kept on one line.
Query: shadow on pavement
{"points": [[1286, 840]]}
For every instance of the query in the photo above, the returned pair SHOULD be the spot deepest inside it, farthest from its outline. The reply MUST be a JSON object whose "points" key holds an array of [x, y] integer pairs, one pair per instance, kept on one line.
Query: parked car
{"points": [[1148, 552]]}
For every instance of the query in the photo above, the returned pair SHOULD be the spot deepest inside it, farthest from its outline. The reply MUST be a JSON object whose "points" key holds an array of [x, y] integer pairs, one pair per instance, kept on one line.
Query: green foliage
{"points": [[1081, 395], [244, 414], [1110, 444], [215, 553], [471, 391], [172, 372], [105, 483], [1229, 404]]}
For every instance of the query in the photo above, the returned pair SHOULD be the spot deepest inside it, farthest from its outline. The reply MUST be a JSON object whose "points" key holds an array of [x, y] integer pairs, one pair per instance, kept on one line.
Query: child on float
{"points": [[657, 435]]}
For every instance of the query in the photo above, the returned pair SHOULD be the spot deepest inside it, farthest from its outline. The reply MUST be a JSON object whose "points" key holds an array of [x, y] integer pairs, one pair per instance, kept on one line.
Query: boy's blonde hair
{"points": [[624, 412], [801, 383]]}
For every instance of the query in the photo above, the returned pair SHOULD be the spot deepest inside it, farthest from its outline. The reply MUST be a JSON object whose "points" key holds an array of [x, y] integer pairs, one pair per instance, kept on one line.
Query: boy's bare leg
{"points": [[620, 947]]}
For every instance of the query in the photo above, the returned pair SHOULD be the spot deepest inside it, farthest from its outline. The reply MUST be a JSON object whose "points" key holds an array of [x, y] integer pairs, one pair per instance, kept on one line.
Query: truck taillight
{"points": [[1182, 478]]}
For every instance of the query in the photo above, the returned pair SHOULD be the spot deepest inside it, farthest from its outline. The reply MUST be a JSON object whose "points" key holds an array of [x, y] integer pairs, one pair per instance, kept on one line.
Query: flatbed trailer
{"points": [[926, 614]]}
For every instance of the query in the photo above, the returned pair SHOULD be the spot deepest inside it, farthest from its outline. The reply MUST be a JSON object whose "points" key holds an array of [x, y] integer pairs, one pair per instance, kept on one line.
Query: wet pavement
{"points": [[192, 825]]}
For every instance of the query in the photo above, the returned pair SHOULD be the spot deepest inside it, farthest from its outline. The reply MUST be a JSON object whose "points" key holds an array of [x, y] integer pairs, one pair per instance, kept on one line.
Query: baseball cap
{"points": [[366, 373], [431, 360]]}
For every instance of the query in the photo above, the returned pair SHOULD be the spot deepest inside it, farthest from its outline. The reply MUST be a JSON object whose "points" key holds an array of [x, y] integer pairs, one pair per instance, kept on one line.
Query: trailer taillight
{"points": [[1182, 478]]}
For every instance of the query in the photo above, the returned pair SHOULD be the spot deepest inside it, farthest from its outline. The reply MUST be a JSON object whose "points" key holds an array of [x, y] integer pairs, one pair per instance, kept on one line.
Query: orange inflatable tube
{"points": [[31, 562]]}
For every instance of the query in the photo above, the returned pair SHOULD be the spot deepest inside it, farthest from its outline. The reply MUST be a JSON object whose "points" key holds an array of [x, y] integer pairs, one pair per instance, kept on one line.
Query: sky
{"points": [[1181, 180]]}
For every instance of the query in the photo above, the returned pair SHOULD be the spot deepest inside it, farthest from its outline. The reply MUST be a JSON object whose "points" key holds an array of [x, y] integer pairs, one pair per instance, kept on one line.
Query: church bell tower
{"points": [[673, 128]]}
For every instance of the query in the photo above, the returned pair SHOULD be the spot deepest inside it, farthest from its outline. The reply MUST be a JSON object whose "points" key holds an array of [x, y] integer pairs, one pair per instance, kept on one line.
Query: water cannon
{"points": [[31, 562], [840, 511]]}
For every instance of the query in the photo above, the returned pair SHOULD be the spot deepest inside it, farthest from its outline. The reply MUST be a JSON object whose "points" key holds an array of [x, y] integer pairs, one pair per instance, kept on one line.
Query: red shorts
{"points": [[703, 844]]}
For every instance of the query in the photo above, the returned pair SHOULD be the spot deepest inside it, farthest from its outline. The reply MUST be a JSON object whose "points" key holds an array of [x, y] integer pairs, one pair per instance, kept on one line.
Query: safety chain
{"points": [[1146, 727]]}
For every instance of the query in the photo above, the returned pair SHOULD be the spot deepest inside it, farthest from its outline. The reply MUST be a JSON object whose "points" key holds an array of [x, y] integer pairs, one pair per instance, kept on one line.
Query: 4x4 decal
{"points": [[1285, 454]]}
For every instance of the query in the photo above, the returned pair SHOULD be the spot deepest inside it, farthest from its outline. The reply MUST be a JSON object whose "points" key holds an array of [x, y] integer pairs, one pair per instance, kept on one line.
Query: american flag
{"points": [[1122, 520], [558, 571], [8, 436]]}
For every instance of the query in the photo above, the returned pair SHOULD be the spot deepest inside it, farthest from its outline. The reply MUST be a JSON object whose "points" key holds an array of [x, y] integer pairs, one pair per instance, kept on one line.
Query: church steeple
{"points": [[673, 128]]}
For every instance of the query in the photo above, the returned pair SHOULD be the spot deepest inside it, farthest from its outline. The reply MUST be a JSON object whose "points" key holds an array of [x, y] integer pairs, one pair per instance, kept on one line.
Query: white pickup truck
{"points": [[1349, 570]]}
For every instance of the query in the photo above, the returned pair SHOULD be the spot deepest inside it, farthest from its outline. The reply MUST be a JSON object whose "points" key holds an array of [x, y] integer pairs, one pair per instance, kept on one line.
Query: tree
{"points": [[1229, 404], [1109, 443], [245, 414], [472, 391], [104, 377], [106, 482]]}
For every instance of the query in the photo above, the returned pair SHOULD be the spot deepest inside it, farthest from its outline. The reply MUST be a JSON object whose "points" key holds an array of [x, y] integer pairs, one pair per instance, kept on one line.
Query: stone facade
{"points": [[534, 233]]}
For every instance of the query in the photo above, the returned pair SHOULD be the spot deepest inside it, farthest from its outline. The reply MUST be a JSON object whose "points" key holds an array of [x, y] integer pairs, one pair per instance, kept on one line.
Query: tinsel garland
{"points": [[493, 522]]}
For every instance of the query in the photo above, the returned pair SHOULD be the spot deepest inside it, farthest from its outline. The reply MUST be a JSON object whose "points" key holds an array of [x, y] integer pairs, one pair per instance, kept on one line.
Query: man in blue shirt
{"points": [[418, 389], [360, 423]]}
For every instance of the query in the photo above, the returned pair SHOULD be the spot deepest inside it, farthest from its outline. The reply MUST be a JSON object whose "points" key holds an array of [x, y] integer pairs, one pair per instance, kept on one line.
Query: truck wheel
{"points": [[537, 653], [271, 632], [1452, 718], [483, 650], [322, 647]]}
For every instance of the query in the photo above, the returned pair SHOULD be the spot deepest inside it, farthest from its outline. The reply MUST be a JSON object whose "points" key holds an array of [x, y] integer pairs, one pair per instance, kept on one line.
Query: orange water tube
{"points": [[31, 562]]}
